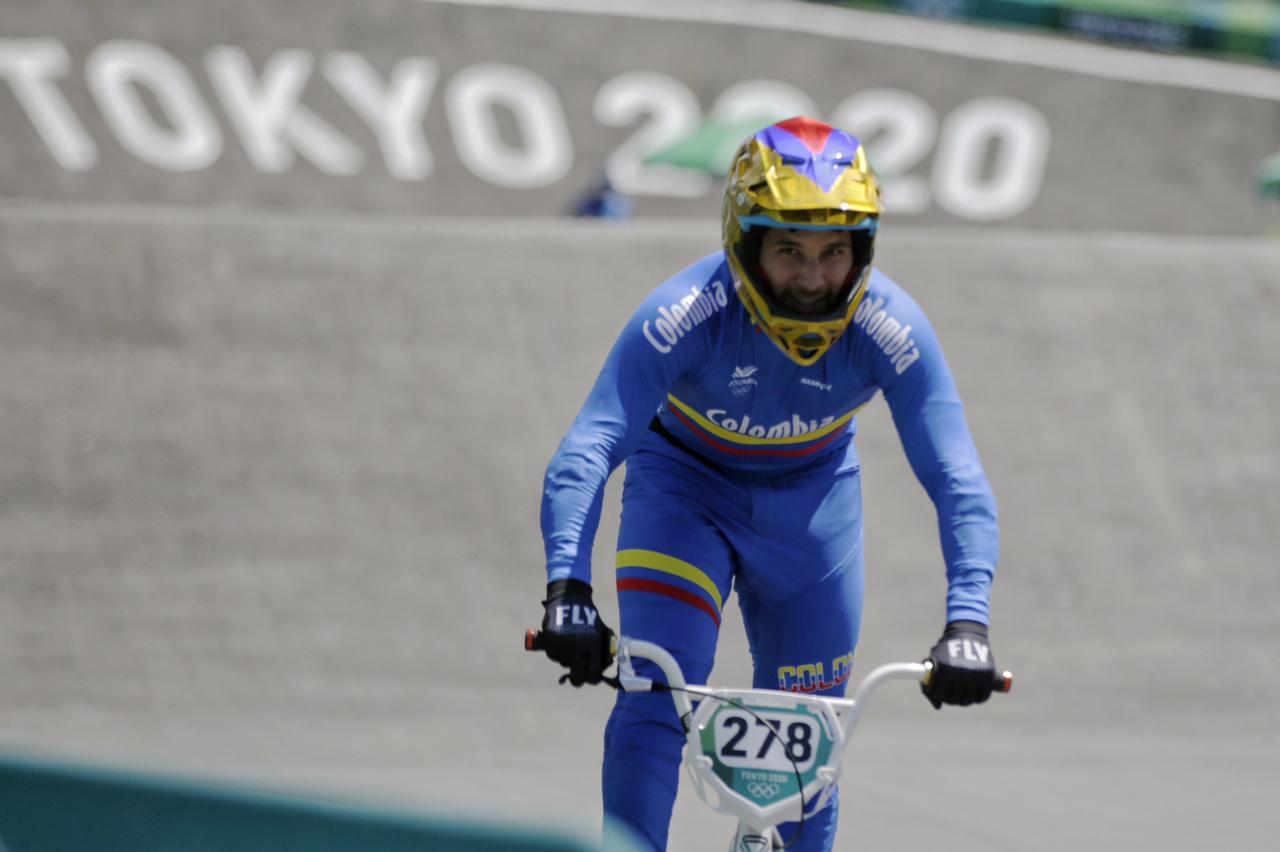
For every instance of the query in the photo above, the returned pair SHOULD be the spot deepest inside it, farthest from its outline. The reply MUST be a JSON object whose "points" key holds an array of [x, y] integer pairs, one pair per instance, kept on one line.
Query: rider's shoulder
{"points": [[707, 273], [881, 285], [688, 306], [884, 295], [703, 288]]}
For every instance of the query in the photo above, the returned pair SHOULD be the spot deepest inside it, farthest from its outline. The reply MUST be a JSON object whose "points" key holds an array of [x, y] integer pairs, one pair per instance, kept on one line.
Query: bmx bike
{"points": [[761, 755]]}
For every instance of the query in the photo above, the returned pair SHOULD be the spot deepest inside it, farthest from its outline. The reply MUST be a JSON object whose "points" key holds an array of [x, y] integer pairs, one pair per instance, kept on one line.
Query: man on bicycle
{"points": [[732, 395]]}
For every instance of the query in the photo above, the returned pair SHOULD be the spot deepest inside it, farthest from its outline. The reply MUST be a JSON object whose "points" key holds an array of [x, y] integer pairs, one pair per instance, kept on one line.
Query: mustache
{"points": [[819, 305]]}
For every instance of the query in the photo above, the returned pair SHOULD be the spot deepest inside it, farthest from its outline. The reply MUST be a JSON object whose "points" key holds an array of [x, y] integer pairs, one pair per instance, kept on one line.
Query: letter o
{"points": [[664, 328], [545, 154], [117, 69]]}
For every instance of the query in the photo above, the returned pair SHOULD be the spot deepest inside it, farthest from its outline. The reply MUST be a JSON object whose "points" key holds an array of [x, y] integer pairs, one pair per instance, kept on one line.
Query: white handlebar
{"points": [[720, 777], [849, 709], [628, 648], [877, 677]]}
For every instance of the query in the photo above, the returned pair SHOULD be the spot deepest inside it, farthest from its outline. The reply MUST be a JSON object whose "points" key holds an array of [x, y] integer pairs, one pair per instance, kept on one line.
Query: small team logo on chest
{"points": [[744, 379]]}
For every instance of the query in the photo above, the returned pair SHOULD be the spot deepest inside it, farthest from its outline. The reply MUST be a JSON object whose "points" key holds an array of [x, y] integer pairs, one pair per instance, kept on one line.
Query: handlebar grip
{"points": [[1001, 681], [533, 642]]}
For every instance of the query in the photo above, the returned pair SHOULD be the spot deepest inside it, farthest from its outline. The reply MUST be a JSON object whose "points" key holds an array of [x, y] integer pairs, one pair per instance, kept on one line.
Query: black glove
{"points": [[963, 669], [573, 634]]}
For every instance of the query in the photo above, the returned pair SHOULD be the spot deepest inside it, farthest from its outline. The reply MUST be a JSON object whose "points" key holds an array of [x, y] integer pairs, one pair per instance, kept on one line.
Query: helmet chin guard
{"points": [[799, 174]]}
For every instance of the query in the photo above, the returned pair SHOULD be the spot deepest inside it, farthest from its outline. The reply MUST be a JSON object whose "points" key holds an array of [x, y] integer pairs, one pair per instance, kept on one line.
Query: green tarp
{"points": [[1269, 177], [1229, 28], [54, 807], [711, 146]]}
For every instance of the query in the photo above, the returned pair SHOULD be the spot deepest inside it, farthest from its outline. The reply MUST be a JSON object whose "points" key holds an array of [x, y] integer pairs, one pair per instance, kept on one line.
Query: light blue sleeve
{"points": [[909, 366], [667, 337]]}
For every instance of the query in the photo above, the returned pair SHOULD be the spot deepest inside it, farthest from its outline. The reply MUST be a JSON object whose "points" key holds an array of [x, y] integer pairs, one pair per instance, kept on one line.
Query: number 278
{"points": [[799, 738]]}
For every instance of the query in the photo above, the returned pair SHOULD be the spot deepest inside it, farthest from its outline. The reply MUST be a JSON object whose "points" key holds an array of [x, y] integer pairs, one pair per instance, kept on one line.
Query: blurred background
{"points": [[296, 300]]}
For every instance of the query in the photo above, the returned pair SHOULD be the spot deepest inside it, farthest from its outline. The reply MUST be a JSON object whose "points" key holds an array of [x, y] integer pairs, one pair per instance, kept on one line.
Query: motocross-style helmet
{"points": [[806, 175]]}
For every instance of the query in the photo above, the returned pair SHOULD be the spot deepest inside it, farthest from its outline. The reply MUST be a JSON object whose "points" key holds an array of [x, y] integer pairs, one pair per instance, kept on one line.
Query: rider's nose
{"points": [[810, 278]]}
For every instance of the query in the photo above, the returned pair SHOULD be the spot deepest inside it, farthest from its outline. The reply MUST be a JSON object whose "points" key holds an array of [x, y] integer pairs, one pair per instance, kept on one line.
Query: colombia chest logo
{"points": [[744, 379], [679, 318]]}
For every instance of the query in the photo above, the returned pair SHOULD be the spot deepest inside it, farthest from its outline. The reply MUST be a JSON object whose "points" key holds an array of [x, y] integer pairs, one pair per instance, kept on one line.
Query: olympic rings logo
{"points": [[762, 790]]}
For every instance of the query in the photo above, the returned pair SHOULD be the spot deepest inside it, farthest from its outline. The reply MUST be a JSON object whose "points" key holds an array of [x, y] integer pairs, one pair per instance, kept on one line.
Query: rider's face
{"points": [[806, 270]]}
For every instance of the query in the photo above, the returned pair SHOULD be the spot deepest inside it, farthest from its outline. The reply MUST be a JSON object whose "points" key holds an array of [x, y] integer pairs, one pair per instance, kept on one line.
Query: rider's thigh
{"points": [[800, 584], [806, 643], [674, 564]]}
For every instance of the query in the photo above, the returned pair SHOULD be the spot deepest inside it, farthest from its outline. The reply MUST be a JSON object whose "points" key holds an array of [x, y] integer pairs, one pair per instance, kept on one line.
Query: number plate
{"points": [[749, 753]]}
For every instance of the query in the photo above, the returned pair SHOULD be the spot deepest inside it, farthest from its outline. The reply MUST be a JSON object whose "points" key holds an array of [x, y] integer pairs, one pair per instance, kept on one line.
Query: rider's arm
{"points": [[930, 420], [642, 366]]}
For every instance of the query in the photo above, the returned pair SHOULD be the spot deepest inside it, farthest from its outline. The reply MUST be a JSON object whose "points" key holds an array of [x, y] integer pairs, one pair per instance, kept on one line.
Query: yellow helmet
{"points": [[806, 175]]}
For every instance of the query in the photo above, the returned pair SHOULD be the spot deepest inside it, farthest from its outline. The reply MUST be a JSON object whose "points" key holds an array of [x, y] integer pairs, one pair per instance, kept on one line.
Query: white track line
{"points": [[700, 230], [955, 39]]}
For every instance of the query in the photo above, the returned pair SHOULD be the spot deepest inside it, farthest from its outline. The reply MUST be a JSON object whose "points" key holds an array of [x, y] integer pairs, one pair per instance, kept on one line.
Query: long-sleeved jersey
{"points": [[691, 356]]}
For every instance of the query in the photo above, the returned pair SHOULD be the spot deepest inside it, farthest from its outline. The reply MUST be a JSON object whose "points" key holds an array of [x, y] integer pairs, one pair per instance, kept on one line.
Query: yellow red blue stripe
{"points": [[736, 443], [658, 573]]}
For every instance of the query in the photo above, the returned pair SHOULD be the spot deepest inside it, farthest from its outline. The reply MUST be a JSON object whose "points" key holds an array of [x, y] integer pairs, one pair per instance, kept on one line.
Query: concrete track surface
{"points": [[269, 494]]}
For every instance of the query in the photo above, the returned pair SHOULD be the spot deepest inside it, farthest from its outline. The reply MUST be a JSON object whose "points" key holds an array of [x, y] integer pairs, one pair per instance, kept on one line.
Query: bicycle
{"points": [[730, 736]]}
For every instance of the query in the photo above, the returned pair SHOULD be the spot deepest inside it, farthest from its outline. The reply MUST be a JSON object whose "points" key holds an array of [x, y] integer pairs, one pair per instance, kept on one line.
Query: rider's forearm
{"points": [[969, 593], [572, 496], [940, 449]]}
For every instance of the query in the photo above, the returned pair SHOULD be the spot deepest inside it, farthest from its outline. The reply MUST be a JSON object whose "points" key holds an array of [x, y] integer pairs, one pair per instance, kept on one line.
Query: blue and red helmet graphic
{"points": [[816, 150]]}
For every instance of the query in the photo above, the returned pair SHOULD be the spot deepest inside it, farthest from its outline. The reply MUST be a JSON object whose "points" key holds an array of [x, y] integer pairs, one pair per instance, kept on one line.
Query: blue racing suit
{"points": [[742, 474]]}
